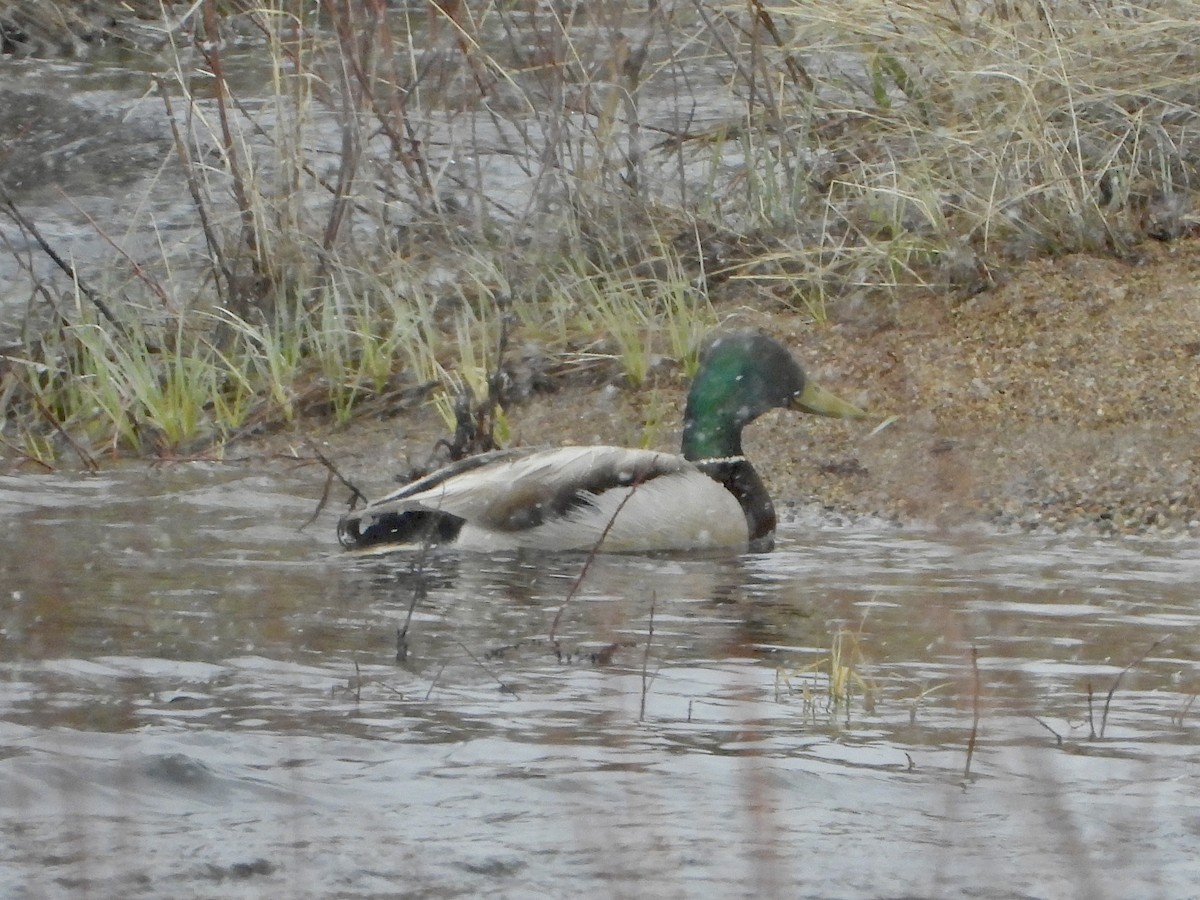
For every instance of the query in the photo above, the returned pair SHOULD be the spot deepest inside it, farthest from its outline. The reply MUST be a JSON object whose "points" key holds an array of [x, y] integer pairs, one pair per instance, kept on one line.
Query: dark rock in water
{"points": [[177, 769]]}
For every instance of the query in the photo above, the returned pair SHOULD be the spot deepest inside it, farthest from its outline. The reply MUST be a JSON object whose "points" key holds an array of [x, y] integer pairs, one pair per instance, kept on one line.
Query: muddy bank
{"points": [[1067, 398]]}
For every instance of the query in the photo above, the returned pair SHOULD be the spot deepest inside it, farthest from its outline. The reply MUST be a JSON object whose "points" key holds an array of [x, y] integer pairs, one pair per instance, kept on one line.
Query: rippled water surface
{"points": [[200, 700]]}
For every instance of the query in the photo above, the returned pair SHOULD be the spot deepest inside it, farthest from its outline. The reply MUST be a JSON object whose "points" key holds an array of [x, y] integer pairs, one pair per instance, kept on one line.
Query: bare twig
{"points": [[352, 47], [1091, 713], [391, 110], [1117, 681], [407, 147], [223, 274], [211, 51], [24, 455], [796, 70], [975, 689], [334, 472], [1178, 717], [1057, 737], [134, 265], [84, 457], [503, 687], [417, 570], [495, 379], [591, 557], [434, 681], [17, 216], [646, 659]]}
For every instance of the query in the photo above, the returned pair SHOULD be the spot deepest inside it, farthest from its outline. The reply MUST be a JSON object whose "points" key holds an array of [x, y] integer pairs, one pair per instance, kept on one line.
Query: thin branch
{"points": [[134, 265], [1178, 717], [974, 709], [433, 683], [334, 472], [1057, 737], [417, 570], [1112, 690], [25, 455], [211, 51], [1091, 713], [591, 557], [646, 659], [503, 687], [225, 281], [17, 216], [84, 457]]}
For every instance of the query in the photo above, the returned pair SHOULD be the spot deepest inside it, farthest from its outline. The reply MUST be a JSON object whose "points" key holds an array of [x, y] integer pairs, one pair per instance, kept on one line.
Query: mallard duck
{"points": [[572, 498]]}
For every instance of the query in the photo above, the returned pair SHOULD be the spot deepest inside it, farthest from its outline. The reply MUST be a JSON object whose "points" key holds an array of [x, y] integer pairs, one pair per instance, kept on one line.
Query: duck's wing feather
{"points": [[513, 489], [567, 497], [677, 510]]}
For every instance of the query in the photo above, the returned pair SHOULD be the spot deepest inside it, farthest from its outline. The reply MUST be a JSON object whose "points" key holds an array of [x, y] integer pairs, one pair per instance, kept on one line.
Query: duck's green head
{"points": [[743, 375]]}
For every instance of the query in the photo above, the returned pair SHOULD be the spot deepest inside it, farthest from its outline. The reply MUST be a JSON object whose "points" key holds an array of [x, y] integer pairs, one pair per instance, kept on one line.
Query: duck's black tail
{"points": [[413, 527]]}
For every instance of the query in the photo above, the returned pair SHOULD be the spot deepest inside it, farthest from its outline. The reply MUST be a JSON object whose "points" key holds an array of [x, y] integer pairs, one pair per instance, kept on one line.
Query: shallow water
{"points": [[90, 158], [200, 700]]}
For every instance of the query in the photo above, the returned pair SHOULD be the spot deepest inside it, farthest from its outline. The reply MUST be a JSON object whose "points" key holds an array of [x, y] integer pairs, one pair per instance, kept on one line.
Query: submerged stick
{"points": [[1116, 682], [1178, 717], [974, 710], [1091, 713], [419, 594], [504, 688], [1057, 737], [646, 658]]}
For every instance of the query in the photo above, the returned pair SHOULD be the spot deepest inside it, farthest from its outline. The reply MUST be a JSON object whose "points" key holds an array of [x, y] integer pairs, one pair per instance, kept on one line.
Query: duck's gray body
{"points": [[615, 498], [563, 498]]}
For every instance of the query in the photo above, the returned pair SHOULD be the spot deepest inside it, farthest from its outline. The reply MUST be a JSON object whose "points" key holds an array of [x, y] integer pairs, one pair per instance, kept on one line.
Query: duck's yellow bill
{"points": [[818, 401]]}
